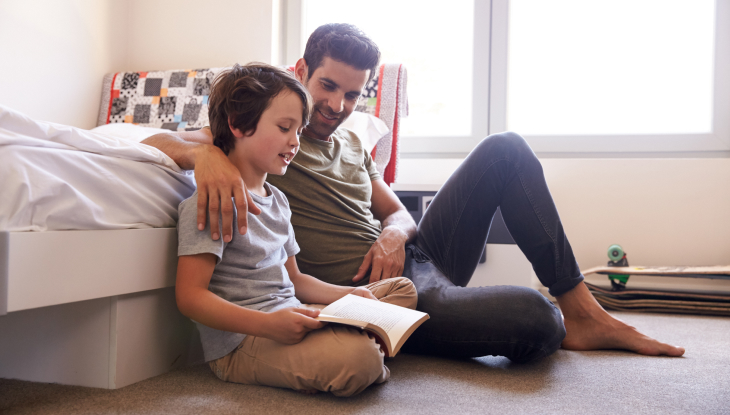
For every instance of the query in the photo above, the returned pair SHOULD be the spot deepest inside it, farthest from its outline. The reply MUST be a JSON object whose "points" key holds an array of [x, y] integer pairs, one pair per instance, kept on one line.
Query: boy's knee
{"points": [[361, 363], [407, 293]]}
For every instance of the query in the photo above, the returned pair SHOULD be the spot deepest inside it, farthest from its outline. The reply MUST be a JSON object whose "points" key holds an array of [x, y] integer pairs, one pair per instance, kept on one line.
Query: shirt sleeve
{"points": [[371, 167], [291, 246], [191, 241]]}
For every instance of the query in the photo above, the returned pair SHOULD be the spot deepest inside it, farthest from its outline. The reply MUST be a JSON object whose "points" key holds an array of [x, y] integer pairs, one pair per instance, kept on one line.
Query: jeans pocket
{"points": [[418, 255]]}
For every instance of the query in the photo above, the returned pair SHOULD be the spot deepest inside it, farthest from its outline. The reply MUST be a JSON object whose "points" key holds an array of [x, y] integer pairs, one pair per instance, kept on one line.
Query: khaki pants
{"points": [[336, 359]]}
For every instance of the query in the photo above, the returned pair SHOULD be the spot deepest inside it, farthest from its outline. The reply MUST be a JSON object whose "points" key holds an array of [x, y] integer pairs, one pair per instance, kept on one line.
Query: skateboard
{"points": [[619, 271], [715, 272]]}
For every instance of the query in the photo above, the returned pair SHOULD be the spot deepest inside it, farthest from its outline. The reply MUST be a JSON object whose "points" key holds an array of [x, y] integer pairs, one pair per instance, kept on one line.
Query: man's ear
{"points": [[301, 70], [236, 132]]}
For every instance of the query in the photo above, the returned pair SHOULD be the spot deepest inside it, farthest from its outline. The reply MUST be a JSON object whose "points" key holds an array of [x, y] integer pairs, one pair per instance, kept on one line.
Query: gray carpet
{"points": [[603, 382]]}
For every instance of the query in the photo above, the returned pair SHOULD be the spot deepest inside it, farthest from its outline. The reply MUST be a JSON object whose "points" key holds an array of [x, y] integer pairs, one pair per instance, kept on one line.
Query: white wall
{"points": [[54, 53], [661, 211], [189, 34]]}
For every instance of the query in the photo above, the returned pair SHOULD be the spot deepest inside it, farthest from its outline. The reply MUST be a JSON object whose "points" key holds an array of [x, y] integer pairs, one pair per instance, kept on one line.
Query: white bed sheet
{"points": [[57, 177]]}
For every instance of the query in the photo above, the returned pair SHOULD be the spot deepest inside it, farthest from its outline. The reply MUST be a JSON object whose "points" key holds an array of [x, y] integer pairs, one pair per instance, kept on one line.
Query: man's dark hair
{"points": [[344, 43], [241, 94]]}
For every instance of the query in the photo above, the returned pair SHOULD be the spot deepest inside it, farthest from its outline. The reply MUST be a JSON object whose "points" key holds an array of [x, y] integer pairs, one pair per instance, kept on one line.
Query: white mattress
{"points": [[56, 177]]}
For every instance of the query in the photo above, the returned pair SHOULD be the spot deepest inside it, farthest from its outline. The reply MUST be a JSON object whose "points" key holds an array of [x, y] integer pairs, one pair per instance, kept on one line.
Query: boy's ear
{"points": [[301, 70], [236, 132]]}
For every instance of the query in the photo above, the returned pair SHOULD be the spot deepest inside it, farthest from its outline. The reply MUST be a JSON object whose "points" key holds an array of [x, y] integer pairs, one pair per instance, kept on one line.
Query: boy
{"points": [[245, 294]]}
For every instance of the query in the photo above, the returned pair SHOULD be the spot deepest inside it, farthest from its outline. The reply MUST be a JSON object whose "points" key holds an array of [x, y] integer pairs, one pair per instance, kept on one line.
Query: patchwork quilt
{"points": [[176, 100]]}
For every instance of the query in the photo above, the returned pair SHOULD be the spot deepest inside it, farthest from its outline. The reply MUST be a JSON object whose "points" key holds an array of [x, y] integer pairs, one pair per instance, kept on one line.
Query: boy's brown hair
{"points": [[241, 94]]}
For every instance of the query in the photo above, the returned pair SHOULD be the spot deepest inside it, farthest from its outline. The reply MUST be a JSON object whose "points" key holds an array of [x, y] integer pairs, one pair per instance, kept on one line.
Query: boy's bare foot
{"points": [[590, 327]]}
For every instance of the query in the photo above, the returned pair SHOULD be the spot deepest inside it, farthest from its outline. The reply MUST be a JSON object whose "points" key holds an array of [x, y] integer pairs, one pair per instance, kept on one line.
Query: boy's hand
{"points": [[218, 181], [290, 325], [364, 292]]}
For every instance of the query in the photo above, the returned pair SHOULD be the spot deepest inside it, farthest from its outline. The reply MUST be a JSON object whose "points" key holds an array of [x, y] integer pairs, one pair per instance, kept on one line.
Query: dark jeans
{"points": [[515, 322]]}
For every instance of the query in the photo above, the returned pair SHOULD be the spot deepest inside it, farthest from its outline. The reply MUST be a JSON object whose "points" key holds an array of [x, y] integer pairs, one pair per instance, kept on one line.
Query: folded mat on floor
{"points": [[662, 301]]}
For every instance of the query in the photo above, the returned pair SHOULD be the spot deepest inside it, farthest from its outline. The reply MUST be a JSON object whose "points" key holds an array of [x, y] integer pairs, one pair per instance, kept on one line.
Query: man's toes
{"points": [[652, 347], [674, 351]]}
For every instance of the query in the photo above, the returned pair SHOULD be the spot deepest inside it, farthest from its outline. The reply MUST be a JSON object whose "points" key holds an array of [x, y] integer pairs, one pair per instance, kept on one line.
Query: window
{"points": [[435, 42], [612, 75], [610, 67], [572, 76], [406, 33]]}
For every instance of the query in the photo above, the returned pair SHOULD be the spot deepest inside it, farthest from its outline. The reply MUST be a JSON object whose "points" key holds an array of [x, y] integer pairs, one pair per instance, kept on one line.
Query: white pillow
{"points": [[368, 128], [128, 131]]}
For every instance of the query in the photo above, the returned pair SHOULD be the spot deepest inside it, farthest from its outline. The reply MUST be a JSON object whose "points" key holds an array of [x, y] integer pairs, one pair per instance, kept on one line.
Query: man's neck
{"points": [[316, 136]]}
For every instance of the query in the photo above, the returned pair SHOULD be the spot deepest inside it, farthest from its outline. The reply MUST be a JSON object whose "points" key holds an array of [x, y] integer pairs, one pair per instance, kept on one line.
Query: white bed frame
{"points": [[91, 308]]}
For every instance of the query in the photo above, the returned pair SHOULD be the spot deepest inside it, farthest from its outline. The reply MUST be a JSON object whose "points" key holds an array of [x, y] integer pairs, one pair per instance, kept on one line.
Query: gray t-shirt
{"points": [[250, 269]]}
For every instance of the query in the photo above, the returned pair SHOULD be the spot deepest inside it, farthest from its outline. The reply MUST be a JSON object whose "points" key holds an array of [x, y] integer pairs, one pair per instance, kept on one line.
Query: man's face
{"points": [[335, 87]]}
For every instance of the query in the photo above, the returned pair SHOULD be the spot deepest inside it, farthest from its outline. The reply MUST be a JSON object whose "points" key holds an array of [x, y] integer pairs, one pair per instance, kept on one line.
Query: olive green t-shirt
{"points": [[328, 185]]}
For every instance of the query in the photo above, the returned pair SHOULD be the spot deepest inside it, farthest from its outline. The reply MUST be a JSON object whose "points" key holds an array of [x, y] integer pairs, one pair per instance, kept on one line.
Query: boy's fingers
{"points": [[364, 267], [310, 323], [365, 293], [307, 312], [202, 208], [213, 201]]}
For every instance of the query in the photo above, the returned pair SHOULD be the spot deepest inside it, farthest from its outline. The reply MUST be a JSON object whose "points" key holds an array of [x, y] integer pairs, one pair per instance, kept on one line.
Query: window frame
{"points": [[716, 140], [489, 98]]}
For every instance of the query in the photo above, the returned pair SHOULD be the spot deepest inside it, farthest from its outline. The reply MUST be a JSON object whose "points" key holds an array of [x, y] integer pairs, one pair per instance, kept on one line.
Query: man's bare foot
{"points": [[590, 327]]}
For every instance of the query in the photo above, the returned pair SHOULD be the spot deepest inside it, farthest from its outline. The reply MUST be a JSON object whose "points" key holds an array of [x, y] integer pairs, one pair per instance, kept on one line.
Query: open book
{"points": [[391, 324]]}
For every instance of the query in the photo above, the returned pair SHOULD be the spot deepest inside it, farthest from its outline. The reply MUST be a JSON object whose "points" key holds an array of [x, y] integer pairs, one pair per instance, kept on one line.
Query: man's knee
{"points": [[540, 322], [508, 144]]}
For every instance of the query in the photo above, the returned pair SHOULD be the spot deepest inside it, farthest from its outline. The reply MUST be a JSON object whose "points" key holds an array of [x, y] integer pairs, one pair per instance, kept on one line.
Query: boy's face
{"points": [[275, 142], [335, 88]]}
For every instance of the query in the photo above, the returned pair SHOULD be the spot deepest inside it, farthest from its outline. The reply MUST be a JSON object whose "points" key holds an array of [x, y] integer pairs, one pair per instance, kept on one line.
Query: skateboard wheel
{"points": [[615, 253]]}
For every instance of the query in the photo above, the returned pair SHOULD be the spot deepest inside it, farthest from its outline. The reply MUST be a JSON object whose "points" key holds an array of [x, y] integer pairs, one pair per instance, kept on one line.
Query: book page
{"points": [[395, 320]]}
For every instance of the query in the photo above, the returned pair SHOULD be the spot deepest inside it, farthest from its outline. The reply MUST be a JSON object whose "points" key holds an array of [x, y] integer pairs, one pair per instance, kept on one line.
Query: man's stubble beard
{"points": [[320, 130]]}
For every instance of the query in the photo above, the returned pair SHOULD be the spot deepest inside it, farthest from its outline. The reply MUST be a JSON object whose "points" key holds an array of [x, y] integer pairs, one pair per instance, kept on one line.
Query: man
{"points": [[353, 229]]}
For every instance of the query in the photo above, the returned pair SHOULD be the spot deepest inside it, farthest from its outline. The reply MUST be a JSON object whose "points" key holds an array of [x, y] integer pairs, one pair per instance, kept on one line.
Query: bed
{"points": [[84, 246], [87, 238]]}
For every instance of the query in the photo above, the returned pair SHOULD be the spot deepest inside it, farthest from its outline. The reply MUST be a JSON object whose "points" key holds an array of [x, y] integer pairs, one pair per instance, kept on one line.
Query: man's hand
{"points": [[290, 325], [364, 292], [386, 257], [218, 181]]}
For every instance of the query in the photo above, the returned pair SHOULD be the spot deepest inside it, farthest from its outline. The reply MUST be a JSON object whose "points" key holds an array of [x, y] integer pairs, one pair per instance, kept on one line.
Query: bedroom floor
{"points": [[603, 382]]}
